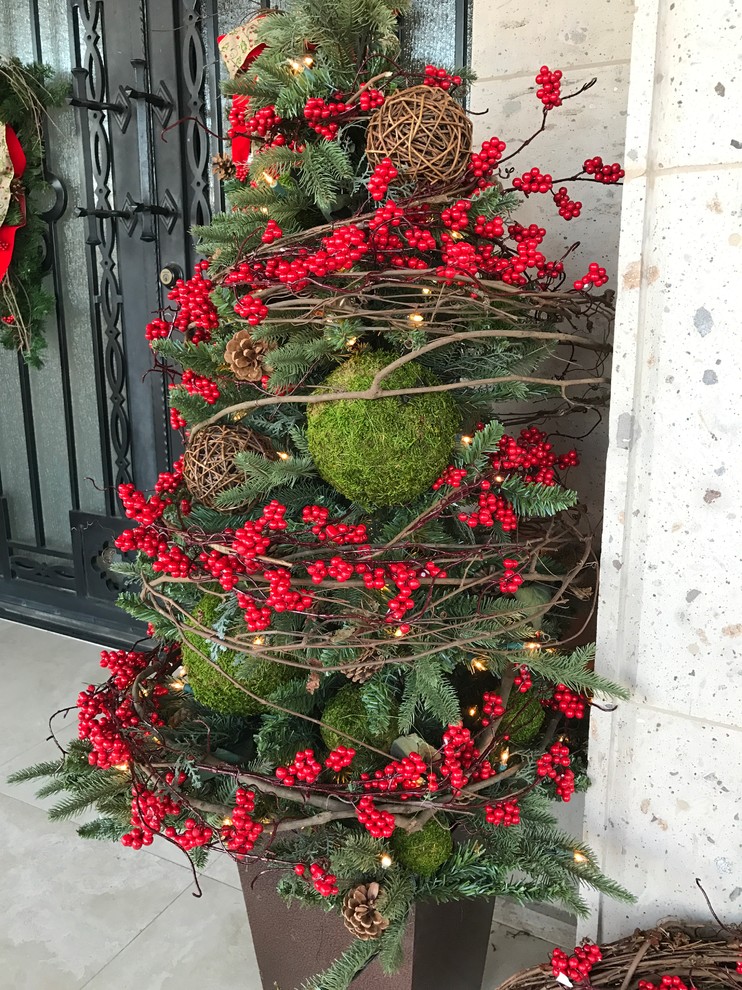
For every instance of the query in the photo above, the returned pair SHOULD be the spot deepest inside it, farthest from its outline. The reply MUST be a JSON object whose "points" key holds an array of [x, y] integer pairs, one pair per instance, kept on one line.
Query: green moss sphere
{"points": [[382, 451], [425, 851], [524, 717], [215, 691], [345, 712]]}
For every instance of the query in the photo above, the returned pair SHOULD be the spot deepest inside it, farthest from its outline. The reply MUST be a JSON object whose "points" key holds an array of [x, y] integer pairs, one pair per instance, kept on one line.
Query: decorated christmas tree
{"points": [[366, 578]]}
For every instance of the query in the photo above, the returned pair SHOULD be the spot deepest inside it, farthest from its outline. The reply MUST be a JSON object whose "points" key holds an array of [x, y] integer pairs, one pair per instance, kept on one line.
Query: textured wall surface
{"points": [[666, 805], [585, 39]]}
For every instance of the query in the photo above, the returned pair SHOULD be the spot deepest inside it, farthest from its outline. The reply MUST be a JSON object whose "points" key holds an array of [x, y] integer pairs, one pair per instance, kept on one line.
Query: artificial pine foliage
{"points": [[361, 581], [27, 92]]}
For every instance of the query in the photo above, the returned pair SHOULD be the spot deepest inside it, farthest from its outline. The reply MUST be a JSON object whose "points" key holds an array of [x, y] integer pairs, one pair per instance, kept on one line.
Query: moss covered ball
{"points": [[345, 712], [215, 691], [382, 451], [524, 717], [425, 851]]}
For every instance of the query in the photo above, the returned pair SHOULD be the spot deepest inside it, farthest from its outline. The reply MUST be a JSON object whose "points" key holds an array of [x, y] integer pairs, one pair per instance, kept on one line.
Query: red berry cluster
{"points": [[137, 506], [492, 508], [173, 561], [148, 811], [261, 123], [382, 176], [492, 706], [100, 720], [436, 76], [533, 181], [531, 457], [380, 824], [241, 834], [271, 233], [10, 319], [567, 702], [522, 680], [411, 774], [452, 476], [177, 421], [595, 275], [510, 580], [456, 216], [670, 982], [551, 86], [304, 767], [324, 883], [459, 757], [489, 229], [576, 967], [370, 99], [568, 208], [555, 765], [251, 309], [124, 665], [505, 813], [340, 758], [196, 312], [608, 174], [199, 385], [484, 161], [157, 329], [321, 115]]}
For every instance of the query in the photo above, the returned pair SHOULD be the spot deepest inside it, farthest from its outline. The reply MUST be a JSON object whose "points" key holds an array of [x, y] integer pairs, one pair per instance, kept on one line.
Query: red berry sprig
{"points": [[576, 967], [382, 176], [370, 99], [555, 765], [199, 385], [380, 824], [242, 832], [441, 78], [669, 982], [321, 115], [567, 702], [595, 275], [340, 758], [608, 174], [568, 208], [196, 312], [533, 181], [324, 883], [505, 813], [551, 85], [251, 309], [271, 233], [510, 580], [304, 767], [522, 680], [492, 707]]}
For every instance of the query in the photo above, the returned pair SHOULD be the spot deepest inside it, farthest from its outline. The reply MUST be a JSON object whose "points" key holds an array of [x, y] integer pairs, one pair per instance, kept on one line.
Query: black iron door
{"points": [[129, 165]]}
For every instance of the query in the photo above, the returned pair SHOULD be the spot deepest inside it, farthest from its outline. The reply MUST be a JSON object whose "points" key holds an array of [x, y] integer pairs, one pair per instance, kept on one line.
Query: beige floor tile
{"points": [[68, 906], [195, 945]]}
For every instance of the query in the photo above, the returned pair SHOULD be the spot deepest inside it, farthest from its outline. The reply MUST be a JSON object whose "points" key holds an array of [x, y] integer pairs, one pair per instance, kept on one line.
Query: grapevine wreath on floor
{"points": [[367, 579]]}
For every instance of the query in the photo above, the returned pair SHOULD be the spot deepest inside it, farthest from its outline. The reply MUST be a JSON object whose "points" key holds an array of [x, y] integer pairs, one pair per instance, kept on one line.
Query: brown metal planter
{"points": [[445, 946]]}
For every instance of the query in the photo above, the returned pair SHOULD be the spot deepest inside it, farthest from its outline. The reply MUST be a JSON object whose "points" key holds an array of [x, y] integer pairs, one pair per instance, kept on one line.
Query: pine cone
{"points": [[359, 912], [224, 167], [245, 356], [359, 673]]}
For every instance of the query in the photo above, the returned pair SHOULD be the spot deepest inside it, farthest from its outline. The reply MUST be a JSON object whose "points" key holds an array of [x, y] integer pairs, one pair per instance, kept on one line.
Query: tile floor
{"points": [[77, 914]]}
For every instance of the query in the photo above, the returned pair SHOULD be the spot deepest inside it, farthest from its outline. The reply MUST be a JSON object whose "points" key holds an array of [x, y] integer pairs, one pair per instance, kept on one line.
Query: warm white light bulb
{"points": [[270, 179], [258, 641], [579, 857], [283, 455], [386, 861], [466, 440], [416, 318]]}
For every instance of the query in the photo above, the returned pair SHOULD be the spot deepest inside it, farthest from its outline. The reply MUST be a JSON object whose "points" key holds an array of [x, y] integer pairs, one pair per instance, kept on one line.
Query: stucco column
{"points": [[666, 801]]}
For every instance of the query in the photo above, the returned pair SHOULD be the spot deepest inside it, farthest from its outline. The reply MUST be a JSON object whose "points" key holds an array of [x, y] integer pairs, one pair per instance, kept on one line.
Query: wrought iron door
{"points": [[130, 174]]}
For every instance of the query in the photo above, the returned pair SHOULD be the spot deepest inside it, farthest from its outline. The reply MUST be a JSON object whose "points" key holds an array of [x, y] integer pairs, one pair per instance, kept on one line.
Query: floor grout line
{"points": [[132, 940]]}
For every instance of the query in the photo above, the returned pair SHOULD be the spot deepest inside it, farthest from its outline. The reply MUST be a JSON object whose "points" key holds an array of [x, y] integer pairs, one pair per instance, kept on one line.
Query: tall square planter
{"points": [[445, 946]]}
